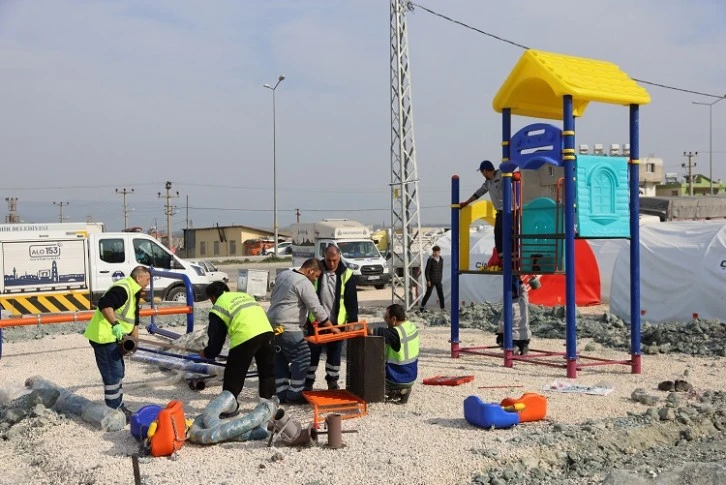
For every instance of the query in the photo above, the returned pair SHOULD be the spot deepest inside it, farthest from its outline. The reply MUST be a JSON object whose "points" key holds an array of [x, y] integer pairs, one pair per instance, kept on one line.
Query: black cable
{"points": [[517, 44]]}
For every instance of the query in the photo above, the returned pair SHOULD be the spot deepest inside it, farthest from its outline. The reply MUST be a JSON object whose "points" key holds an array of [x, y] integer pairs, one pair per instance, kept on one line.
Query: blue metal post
{"points": [[152, 328], [635, 239], [455, 266], [507, 240], [569, 158], [507, 267]]}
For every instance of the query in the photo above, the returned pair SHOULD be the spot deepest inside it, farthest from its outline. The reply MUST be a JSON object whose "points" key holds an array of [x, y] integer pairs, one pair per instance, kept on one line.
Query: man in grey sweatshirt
{"points": [[292, 298]]}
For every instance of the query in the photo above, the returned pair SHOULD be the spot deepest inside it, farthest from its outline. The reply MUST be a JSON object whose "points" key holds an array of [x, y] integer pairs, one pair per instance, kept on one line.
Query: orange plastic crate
{"points": [[348, 330], [344, 402], [447, 380]]}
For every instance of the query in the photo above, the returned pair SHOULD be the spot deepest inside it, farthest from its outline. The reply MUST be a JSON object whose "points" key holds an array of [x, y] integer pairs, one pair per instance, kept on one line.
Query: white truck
{"points": [[57, 267], [358, 252]]}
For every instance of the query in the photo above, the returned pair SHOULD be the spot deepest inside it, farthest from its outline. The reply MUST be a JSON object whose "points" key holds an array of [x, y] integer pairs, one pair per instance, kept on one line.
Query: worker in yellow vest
{"points": [[402, 346], [117, 315], [337, 293], [238, 315]]}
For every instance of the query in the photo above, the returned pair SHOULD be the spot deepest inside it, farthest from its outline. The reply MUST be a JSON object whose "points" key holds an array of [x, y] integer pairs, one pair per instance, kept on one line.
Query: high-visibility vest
{"points": [[242, 315], [99, 329], [408, 353], [342, 313]]}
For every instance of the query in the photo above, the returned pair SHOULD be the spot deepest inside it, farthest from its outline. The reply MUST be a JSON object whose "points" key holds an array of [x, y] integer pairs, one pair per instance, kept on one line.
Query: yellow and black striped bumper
{"points": [[46, 303]]}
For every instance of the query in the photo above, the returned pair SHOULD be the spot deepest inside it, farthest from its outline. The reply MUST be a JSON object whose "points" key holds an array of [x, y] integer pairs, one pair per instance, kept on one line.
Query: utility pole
{"points": [[187, 221], [12, 216], [61, 205], [168, 207], [690, 166], [297, 215], [125, 192]]}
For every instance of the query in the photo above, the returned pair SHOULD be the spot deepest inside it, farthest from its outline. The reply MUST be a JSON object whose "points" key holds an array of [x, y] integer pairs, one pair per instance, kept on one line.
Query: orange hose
{"points": [[85, 316]]}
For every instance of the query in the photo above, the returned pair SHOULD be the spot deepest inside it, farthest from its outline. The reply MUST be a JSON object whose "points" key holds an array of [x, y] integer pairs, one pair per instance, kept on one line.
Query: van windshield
{"points": [[358, 249]]}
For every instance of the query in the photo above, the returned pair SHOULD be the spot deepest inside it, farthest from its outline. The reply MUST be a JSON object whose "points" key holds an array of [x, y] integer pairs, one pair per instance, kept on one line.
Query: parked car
{"points": [[283, 248], [213, 273]]}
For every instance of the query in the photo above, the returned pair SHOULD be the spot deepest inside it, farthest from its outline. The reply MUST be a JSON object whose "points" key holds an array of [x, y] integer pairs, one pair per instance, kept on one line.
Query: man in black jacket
{"points": [[434, 273], [337, 293]]}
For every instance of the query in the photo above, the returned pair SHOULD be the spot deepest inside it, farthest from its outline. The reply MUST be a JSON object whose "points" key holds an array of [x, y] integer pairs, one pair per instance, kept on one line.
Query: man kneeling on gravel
{"points": [[402, 346]]}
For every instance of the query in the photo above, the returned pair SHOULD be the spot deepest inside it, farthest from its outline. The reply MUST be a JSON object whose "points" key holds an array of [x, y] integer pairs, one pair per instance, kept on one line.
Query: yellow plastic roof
{"points": [[539, 80]]}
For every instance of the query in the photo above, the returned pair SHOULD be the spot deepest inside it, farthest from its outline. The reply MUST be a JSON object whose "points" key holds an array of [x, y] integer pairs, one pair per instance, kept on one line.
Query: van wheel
{"points": [[177, 294], [379, 287]]}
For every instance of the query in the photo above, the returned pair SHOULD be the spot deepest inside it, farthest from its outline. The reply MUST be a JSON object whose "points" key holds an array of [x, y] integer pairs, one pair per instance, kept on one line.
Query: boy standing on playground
{"points": [[521, 333], [493, 185]]}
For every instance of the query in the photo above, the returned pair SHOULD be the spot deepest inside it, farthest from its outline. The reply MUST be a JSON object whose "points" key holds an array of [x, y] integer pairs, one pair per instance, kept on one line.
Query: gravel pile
{"points": [[636, 435], [697, 337], [636, 449]]}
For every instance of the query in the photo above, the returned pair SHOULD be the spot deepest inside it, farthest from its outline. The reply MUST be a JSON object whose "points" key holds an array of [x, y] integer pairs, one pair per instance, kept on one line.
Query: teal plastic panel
{"points": [[545, 255], [602, 197]]}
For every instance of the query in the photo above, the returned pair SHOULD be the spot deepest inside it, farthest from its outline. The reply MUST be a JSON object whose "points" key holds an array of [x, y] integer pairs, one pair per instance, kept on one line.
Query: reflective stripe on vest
{"points": [[99, 329], [342, 313], [242, 315], [408, 352]]}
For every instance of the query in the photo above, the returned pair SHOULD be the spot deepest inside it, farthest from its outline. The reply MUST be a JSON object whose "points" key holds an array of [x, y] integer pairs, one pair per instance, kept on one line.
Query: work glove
{"points": [[118, 332]]}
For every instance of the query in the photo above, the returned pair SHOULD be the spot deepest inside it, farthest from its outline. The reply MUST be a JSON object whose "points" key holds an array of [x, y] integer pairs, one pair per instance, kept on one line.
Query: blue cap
{"points": [[486, 165]]}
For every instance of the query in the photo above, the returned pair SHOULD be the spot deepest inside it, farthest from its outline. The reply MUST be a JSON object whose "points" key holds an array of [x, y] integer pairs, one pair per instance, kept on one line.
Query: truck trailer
{"points": [[57, 267]]}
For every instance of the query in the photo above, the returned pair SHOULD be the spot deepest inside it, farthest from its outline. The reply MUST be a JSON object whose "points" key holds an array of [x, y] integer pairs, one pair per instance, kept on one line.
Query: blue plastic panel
{"points": [[535, 145], [602, 197], [545, 255], [488, 415]]}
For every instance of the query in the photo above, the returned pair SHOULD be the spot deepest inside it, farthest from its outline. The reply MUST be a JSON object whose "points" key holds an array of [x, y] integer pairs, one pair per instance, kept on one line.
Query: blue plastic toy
{"points": [[141, 420], [488, 415]]}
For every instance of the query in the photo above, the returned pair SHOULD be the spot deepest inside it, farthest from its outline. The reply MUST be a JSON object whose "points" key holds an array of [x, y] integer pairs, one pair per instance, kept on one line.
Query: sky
{"points": [[104, 95]]}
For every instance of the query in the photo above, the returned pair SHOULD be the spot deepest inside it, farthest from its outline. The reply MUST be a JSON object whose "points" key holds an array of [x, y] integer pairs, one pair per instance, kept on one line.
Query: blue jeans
{"points": [[111, 364], [291, 365], [334, 352]]}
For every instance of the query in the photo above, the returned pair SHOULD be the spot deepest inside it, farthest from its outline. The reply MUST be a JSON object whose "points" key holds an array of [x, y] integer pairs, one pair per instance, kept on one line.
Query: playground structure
{"points": [[596, 198]]}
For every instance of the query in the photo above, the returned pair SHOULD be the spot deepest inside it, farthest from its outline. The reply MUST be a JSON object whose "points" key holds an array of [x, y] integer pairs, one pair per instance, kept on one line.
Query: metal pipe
{"points": [[507, 267], [84, 316], [187, 285], [179, 362], [569, 159], [334, 423], [635, 239]]}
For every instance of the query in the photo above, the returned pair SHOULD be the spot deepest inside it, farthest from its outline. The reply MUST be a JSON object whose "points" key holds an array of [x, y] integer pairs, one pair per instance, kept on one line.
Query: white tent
{"points": [[472, 288], [682, 272], [606, 252]]}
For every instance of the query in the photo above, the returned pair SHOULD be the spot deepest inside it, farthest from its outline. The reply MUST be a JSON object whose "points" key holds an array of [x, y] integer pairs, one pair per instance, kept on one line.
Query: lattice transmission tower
{"points": [[405, 216]]}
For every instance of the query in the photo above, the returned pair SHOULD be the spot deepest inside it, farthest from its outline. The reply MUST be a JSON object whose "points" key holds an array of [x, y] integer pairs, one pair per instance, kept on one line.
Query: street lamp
{"points": [[274, 156], [710, 138]]}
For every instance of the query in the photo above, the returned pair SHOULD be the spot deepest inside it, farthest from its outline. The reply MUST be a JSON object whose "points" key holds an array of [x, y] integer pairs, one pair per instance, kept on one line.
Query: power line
{"points": [[55, 187], [443, 206], [522, 46]]}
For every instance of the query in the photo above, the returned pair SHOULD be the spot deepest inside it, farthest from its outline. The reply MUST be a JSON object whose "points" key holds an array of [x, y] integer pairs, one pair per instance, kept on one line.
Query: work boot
{"points": [[333, 386], [405, 394], [500, 340], [127, 412], [523, 346]]}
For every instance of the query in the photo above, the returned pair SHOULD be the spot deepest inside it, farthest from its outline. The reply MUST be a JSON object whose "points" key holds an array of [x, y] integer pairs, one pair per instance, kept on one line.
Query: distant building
{"points": [[543, 182], [227, 241], [701, 186]]}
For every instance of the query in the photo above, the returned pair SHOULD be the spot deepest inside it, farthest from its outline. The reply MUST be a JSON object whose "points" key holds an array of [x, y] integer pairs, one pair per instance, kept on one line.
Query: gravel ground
{"points": [[634, 435]]}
